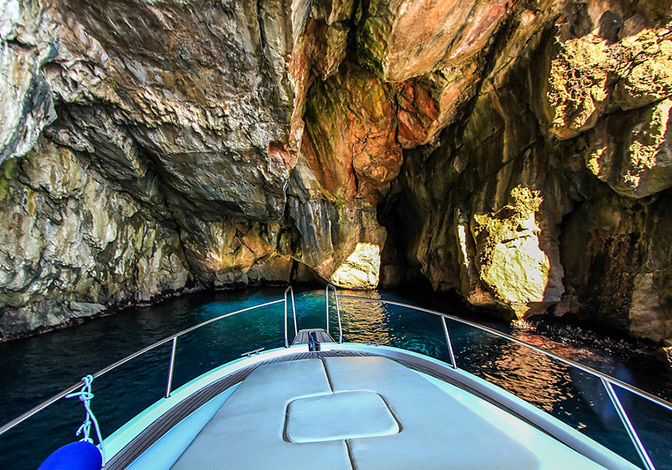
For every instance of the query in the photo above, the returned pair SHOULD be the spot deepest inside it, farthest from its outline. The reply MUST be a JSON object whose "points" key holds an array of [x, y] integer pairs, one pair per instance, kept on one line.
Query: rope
{"points": [[85, 396]]}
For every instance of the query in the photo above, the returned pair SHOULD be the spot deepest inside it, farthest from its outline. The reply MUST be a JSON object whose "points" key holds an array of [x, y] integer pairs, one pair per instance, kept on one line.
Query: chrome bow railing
{"points": [[338, 311], [171, 367], [607, 381], [290, 291]]}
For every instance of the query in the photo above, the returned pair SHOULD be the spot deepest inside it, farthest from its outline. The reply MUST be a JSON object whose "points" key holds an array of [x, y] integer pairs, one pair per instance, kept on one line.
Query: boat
{"points": [[320, 402]]}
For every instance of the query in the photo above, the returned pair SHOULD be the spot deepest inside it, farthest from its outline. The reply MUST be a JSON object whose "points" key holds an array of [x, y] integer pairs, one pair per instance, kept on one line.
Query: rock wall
{"points": [[71, 245], [515, 214], [517, 152], [182, 111]]}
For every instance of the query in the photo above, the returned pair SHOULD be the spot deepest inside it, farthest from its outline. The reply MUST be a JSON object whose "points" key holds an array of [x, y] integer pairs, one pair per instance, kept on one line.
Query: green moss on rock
{"points": [[372, 35]]}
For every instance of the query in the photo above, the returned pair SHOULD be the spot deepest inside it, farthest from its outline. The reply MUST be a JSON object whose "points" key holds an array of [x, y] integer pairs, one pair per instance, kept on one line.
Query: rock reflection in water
{"points": [[527, 374], [571, 395], [371, 324]]}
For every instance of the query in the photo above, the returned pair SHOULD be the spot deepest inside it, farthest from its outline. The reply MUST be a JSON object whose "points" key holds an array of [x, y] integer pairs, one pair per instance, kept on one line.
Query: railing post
{"points": [[286, 342], [169, 386], [338, 315], [326, 301], [338, 311], [450, 344], [641, 450], [296, 330]]}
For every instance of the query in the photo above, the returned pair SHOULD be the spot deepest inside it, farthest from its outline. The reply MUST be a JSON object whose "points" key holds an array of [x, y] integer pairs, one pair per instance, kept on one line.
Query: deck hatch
{"points": [[338, 416]]}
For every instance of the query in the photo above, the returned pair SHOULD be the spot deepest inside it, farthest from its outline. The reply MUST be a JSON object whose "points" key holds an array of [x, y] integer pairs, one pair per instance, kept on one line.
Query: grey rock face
{"points": [[72, 244], [181, 110], [26, 102], [193, 90]]}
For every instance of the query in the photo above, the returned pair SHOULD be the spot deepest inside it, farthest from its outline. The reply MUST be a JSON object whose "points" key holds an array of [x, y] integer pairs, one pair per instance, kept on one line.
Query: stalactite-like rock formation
{"points": [[517, 152]]}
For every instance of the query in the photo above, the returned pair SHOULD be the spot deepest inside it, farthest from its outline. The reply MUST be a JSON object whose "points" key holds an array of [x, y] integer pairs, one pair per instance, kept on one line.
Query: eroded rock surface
{"points": [[508, 256], [632, 153], [26, 101], [592, 75], [71, 245], [401, 40], [517, 152]]}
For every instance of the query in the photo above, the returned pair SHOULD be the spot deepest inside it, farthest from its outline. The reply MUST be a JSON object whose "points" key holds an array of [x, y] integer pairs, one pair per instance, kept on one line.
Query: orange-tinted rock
{"points": [[350, 138], [279, 153], [335, 176], [417, 111], [320, 40], [480, 25], [410, 39], [427, 105]]}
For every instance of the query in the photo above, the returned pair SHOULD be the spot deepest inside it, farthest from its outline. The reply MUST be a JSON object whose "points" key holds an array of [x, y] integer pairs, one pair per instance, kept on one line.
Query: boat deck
{"points": [[332, 410]]}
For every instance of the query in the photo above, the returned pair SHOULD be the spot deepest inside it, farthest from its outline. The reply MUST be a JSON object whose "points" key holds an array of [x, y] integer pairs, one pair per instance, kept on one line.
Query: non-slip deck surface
{"points": [[320, 335], [433, 428]]}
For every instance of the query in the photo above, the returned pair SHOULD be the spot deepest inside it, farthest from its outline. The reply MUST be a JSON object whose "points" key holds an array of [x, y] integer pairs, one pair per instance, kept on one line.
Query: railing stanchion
{"points": [[296, 330], [450, 344], [641, 450], [338, 314], [169, 386], [326, 301], [338, 310], [286, 342]]}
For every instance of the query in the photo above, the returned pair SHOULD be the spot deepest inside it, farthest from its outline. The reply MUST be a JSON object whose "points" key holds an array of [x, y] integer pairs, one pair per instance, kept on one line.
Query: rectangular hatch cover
{"points": [[338, 416]]}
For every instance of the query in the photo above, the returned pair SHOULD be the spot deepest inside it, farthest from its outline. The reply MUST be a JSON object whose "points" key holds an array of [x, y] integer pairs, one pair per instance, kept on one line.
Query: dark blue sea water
{"points": [[33, 369]]}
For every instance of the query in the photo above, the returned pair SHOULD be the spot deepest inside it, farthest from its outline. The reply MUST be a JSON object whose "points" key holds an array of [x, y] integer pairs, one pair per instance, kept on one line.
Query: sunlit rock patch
{"points": [[590, 76], [360, 270], [633, 155], [508, 257]]}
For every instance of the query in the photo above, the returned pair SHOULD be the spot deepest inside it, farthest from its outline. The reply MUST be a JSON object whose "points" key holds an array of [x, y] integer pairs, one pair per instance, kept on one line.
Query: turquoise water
{"points": [[34, 369]]}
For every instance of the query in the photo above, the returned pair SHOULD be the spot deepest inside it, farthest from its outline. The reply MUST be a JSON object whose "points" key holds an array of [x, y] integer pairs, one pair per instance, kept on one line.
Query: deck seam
{"points": [[326, 372], [351, 456]]}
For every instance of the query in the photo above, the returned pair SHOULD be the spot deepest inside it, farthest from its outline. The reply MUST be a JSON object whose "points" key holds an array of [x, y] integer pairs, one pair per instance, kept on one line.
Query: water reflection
{"points": [[369, 324], [525, 373], [569, 394]]}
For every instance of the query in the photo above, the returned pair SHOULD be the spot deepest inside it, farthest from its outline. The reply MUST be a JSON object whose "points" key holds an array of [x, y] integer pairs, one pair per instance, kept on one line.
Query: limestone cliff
{"points": [[517, 152]]}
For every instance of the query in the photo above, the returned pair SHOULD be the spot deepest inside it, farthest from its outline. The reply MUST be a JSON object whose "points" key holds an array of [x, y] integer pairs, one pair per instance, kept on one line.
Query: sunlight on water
{"points": [[532, 377], [371, 324]]}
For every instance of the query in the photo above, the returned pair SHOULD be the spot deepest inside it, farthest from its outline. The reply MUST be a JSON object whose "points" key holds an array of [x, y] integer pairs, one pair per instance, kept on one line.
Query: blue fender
{"points": [[80, 455]]}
